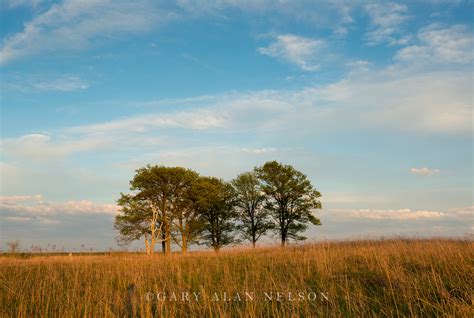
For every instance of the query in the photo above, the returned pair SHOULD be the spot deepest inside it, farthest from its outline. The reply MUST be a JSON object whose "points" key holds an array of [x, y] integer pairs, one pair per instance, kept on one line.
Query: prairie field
{"points": [[364, 278]]}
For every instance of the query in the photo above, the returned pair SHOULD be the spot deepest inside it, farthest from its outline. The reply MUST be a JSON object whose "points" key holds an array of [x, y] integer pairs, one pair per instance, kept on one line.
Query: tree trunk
{"points": [[154, 231], [283, 234], [152, 245], [283, 239], [184, 243], [168, 238], [147, 247], [253, 244], [163, 243]]}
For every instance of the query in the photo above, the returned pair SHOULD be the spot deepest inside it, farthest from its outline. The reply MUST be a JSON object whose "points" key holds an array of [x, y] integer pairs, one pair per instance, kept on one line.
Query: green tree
{"points": [[138, 219], [186, 220], [290, 199], [214, 200], [249, 199], [160, 193]]}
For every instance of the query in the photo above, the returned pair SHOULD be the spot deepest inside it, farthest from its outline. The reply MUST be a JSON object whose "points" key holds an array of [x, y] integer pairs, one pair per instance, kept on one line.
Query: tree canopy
{"points": [[249, 201], [215, 202], [290, 199], [175, 203]]}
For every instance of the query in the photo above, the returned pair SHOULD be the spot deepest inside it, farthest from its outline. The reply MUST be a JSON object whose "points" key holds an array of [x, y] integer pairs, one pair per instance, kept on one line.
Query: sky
{"points": [[372, 100]]}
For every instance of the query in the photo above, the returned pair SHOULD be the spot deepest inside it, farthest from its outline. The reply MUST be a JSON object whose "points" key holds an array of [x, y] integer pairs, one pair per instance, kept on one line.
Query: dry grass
{"points": [[360, 279]]}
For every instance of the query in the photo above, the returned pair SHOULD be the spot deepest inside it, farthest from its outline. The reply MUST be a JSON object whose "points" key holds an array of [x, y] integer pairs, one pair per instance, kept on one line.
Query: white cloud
{"points": [[75, 25], [19, 219], [437, 103], [14, 199], [23, 3], [359, 65], [363, 223], [41, 146], [344, 10], [421, 102], [440, 45], [297, 50], [386, 20], [36, 219], [63, 83], [122, 134], [259, 151], [48, 221], [402, 214], [199, 119], [425, 172], [463, 212], [320, 13], [38, 208], [340, 31]]}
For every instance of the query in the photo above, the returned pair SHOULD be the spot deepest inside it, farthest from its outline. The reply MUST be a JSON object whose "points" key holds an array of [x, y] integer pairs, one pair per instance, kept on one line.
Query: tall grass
{"points": [[360, 279]]}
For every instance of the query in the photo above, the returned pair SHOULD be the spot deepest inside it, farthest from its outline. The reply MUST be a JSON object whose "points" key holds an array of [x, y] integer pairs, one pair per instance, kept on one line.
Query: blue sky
{"points": [[371, 99]]}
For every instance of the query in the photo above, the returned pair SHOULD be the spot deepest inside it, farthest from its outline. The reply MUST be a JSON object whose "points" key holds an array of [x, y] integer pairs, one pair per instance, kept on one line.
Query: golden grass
{"points": [[360, 279]]}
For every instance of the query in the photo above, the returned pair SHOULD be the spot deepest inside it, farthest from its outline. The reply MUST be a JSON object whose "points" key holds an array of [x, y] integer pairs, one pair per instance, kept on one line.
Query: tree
{"points": [[13, 246], [249, 200], [184, 208], [160, 192], [290, 199], [138, 219], [215, 206]]}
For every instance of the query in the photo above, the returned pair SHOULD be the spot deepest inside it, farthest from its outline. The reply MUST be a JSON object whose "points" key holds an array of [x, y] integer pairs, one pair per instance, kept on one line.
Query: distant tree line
{"points": [[175, 204]]}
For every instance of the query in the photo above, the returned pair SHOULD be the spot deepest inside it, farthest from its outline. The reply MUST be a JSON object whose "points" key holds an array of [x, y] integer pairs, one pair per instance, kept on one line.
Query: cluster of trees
{"points": [[177, 204]]}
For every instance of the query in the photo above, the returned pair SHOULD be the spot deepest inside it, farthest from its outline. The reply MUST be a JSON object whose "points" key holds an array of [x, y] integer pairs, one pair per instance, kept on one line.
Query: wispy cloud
{"points": [[452, 45], [13, 199], [320, 13], [404, 214], [20, 219], [297, 50], [356, 223], [386, 20], [136, 132], [199, 119], [433, 102], [62, 83], [24, 3], [32, 220], [39, 207], [75, 25], [424, 172], [413, 102], [42, 146], [401, 214], [259, 151]]}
